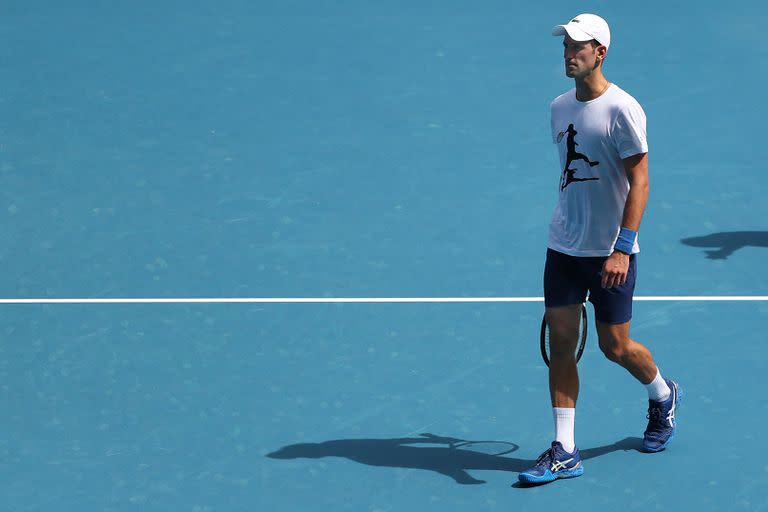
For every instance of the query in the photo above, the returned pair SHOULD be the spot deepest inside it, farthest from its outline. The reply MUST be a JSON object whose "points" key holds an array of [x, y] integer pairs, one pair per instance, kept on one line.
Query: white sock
{"points": [[565, 418], [658, 389]]}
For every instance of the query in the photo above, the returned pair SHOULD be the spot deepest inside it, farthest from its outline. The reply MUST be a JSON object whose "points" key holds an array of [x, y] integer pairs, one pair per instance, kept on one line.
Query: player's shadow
{"points": [[726, 243], [428, 452]]}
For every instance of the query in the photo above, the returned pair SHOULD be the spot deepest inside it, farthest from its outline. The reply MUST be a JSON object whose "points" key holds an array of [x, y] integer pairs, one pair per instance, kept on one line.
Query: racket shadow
{"points": [[428, 452]]}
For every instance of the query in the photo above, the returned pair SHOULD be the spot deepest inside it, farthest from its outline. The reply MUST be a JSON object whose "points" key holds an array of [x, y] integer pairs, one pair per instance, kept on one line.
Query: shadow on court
{"points": [[725, 244], [441, 458]]}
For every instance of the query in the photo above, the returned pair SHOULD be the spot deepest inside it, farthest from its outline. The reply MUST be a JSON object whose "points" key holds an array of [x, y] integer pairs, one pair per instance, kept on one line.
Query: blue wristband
{"points": [[626, 241]]}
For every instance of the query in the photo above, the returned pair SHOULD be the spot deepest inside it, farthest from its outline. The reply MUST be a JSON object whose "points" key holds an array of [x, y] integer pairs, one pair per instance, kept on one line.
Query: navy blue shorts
{"points": [[567, 279]]}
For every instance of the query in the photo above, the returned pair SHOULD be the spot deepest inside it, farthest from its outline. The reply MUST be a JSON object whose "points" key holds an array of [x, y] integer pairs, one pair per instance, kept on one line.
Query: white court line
{"points": [[336, 300]]}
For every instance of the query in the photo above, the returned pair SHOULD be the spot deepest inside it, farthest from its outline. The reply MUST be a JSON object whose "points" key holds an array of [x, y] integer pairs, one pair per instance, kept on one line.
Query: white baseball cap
{"points": [[586, 27]]}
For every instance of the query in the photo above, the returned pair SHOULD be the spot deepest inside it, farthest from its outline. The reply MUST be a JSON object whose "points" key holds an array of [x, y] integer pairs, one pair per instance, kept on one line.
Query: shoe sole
{"points": [[679, 392], [549, 476]]}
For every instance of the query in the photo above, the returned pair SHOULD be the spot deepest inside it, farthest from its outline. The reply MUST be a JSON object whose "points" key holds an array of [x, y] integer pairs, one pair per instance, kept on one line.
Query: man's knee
{"points": [[613, 351], [562, 349], [613, 340]]}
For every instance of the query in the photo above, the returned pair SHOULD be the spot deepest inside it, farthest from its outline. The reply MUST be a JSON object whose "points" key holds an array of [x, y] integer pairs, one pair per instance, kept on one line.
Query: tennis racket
{"points": [[582, 336]]}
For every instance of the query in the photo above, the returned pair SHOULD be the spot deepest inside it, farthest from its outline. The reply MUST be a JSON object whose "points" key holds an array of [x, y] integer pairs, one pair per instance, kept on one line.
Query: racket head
{"points": [[582, 336]]}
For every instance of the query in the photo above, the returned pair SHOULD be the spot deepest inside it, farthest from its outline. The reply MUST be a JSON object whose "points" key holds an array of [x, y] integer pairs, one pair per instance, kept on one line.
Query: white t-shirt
{"points": [[592, 138]]}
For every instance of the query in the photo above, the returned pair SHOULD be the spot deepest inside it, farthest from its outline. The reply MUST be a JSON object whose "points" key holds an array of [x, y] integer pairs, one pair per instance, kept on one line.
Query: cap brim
{"points": [[574, 32]]}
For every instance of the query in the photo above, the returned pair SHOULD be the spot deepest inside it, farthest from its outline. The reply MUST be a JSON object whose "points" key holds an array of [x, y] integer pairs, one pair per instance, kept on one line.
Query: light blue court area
{"points": [[359, 149], [297, 407], [355, 148]]}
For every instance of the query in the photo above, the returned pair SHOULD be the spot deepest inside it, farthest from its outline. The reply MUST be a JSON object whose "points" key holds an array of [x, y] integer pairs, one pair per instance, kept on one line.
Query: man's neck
{"points": [[592, 86]]}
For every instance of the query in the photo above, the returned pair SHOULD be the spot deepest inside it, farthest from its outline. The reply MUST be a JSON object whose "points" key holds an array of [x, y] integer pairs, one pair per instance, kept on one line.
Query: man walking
{"points": [[593, 243]]}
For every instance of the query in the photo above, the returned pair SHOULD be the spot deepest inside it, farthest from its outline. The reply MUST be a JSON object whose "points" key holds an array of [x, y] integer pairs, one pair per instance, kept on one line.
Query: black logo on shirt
{"points": [[572, 155]]}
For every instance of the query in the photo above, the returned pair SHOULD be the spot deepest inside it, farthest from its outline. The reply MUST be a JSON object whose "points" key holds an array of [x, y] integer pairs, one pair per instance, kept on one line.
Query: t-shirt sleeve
{"points": [[629, 133]]}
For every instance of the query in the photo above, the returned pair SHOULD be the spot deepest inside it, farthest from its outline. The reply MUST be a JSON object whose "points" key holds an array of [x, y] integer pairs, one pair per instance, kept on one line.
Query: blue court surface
{"points": [[371, 150]]}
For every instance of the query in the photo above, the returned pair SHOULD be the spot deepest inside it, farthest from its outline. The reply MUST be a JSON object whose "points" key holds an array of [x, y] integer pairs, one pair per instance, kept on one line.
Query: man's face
{"points": [[581, 58]]}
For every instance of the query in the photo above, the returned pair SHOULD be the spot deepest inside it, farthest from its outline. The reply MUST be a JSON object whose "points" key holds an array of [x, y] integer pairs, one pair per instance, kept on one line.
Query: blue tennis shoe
{"points": [[553, 464], [661, 420]]}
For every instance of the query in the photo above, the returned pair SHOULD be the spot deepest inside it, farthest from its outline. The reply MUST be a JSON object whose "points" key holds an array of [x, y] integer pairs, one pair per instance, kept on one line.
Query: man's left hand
{"points": [[615, 270]]}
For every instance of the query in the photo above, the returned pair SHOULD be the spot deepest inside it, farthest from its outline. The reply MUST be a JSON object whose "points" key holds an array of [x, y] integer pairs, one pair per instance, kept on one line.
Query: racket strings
{"points": [[580, 341]]}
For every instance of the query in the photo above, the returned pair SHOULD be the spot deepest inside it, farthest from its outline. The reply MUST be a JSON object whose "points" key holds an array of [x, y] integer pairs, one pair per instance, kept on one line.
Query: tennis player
{"points": [[600, 134]]}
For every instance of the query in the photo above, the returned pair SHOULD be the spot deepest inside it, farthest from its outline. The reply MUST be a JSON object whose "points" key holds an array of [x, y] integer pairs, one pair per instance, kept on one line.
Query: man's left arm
{"points": [[616, 266]]}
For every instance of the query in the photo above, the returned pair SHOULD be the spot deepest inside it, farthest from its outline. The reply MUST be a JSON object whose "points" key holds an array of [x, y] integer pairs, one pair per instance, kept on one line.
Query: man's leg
{"points": [[564, 337], [613, 311], [563, 459], [564, 292], [621, 349], [663, 394]]}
